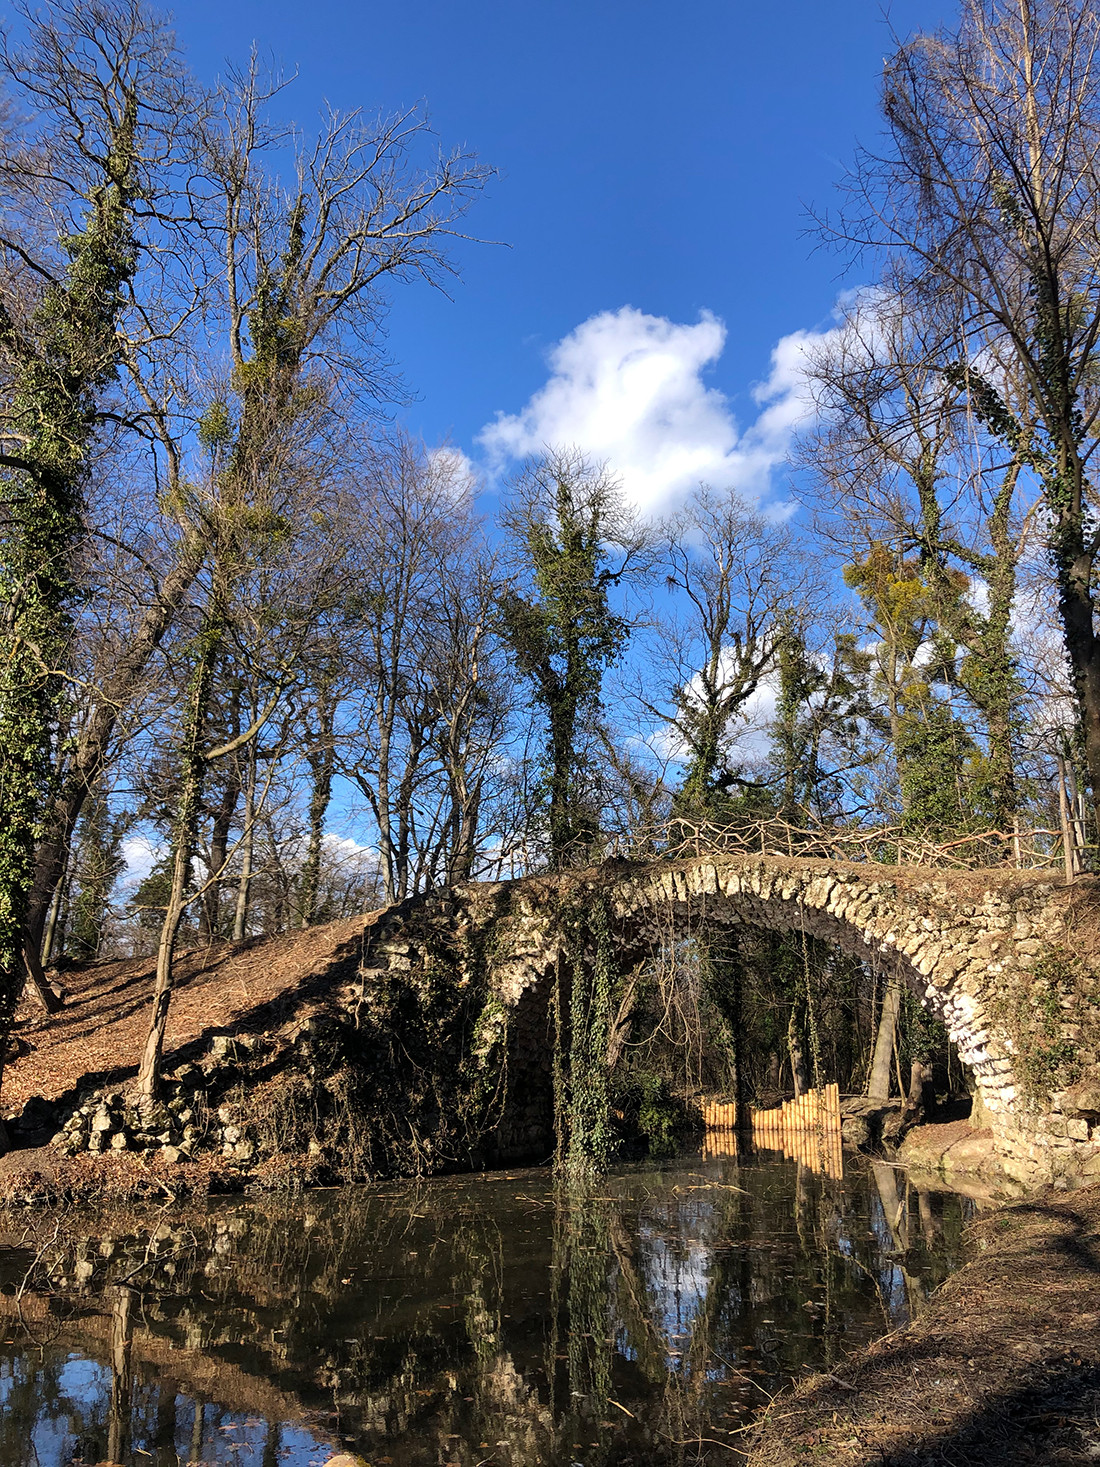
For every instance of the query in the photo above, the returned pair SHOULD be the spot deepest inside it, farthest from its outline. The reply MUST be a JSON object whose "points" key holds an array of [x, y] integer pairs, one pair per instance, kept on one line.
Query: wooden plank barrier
{"points": [[720, 1119], [806, 1129]]}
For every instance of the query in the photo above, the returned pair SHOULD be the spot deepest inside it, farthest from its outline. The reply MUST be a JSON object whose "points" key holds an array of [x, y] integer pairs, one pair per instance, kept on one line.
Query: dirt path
{"points": [[1003, 1370], [227, 987]]}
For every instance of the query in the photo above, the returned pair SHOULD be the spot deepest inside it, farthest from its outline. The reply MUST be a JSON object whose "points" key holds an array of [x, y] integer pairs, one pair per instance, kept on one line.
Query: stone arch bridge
{"points": [[1006, 958]]}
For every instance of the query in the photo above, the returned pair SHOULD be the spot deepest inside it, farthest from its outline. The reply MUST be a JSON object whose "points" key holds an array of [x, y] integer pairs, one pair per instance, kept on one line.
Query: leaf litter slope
{"points": [[259, 986]]}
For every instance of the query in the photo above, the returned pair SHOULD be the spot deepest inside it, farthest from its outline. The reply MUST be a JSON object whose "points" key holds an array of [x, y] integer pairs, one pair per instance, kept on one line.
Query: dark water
{"points": [[465, 1321]]}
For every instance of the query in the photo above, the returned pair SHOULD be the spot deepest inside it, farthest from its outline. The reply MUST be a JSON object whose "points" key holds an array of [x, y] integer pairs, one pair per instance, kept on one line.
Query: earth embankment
{"points": [[257, 986], [1002, 1369]]}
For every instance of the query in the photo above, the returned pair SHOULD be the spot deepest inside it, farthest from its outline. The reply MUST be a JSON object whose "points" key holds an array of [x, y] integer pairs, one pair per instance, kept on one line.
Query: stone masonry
{"points": [[966, 942]]}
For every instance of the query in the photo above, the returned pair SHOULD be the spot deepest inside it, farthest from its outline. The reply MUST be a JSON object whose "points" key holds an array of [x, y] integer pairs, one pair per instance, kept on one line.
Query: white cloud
{"points": [[629, 388], [342, 850], [140, 853], [453, 469], [749, 731]]}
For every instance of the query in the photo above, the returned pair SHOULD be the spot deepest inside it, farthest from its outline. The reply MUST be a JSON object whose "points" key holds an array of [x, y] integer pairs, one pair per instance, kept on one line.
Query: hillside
{"points": [[257, 987]]}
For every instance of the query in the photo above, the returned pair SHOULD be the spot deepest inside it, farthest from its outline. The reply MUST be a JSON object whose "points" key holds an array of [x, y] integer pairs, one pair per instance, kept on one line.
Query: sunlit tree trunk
{"points": [[321, 757], [183, 846], [248, 838], [878, 1082]]}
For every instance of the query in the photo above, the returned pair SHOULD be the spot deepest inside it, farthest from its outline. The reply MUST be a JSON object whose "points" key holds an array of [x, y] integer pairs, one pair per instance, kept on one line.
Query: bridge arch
{"points": [[966, 943]]}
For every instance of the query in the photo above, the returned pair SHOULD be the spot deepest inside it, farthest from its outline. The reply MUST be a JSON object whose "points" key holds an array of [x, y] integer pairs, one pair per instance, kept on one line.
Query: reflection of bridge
{"points": [[967, 942]]}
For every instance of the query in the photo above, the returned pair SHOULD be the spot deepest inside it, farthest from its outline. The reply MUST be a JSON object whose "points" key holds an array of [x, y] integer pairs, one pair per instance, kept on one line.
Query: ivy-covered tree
{"points": [[565, 519], [943, 776], [986, 192], [89, 72], [940, 775], [823, 714], [902, 453]]}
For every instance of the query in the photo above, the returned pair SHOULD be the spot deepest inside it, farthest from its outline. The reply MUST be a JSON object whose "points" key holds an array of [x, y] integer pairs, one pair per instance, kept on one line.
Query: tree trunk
{"points": [[94, 741], [52, 923], [563, 826], [721, 964], [1076, 607], [148, 1080], [122, 1334], [193, 771], [775, 1075], [893, 1199], [462, 822], [320, 757], [198, 1433], [878, 1082], [383, 813], [1069, 848], [40, 987], [210, 924], [798, 1064], [620, 1029], [920, 1101], [460, 857], [240, 915]]}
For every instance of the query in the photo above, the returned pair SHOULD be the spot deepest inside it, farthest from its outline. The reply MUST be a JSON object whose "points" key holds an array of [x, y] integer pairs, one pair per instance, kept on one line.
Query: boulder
{"points": [[950, 1148], [855, 1131], [866, 1122], [893, 1125], [1082, 1100]]}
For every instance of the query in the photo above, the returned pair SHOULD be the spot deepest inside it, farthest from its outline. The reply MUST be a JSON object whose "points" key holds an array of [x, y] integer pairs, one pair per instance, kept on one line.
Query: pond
{"points": [[466, 1321]]}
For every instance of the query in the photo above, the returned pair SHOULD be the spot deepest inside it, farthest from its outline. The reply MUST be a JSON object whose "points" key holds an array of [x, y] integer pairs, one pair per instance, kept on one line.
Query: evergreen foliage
{"points": [[563, 632], [62, 360]]}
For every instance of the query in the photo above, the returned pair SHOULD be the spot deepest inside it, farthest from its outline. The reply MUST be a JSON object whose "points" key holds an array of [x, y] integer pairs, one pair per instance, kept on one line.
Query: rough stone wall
{"points": [[966, 943]]}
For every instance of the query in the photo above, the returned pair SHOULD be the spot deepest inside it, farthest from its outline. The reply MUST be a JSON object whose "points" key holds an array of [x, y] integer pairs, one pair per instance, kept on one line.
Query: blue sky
{"points": [[651, 156]]}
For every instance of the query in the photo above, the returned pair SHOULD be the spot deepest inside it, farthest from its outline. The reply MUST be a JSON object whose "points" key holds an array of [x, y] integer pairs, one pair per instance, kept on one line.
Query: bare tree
{"points": [[424, 718], [990, 191], [733, 570], [901, 461], [303, 273]]}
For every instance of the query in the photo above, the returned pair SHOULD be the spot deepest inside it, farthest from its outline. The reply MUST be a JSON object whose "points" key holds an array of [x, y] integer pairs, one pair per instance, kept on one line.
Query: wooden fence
{"points": [[1027, 848], [806, 1130]]}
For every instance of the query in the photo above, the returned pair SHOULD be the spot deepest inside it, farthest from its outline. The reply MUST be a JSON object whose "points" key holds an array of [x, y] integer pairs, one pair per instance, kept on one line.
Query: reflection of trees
{"points": [[581, 1310], [122, 1338], [642, 1320]]}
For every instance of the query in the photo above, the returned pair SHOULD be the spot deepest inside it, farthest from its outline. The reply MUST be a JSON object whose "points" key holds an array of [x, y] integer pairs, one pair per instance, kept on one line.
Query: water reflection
{"points": [[474, 1320]]}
